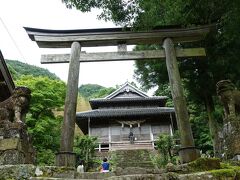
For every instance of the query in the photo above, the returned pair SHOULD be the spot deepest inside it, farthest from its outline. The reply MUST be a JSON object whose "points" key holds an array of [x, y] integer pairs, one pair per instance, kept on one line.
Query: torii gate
{"points": [[120, 37]]}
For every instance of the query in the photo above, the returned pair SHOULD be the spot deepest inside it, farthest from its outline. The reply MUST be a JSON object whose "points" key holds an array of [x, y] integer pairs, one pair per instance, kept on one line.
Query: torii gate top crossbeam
{"points": [[46, 38]]}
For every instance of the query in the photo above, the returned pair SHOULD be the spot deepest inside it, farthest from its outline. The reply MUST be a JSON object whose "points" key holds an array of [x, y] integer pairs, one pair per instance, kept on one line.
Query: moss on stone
{"points": [[227, 170], [49, 171], [204, 164], [171, 175], [223, 173], [224, 165]]}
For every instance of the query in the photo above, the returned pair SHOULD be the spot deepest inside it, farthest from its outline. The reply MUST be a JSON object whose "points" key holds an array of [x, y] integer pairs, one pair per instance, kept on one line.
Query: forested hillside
{"points": [[90, 91], [18, 69]]}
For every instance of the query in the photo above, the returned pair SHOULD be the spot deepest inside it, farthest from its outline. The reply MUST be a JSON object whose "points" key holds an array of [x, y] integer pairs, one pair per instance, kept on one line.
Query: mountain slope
{"points": [[90, 91], [18, 69]]}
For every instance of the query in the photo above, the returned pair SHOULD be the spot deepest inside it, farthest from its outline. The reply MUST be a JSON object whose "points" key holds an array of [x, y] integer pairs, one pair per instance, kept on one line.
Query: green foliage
{"points": [[45, 157], [199, 122], [227, 170], [199, 75], [47, 94], [103, 92], [204, 164], [165, 146], [84, 147], [220, 173], [119, 12], [18, 69], [43, 126], [94, 91]]}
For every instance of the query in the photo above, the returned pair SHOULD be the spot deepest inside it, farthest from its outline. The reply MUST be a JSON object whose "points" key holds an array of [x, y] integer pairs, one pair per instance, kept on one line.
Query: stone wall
{"points": [[208, 169], [15, 144], [230, 136]]}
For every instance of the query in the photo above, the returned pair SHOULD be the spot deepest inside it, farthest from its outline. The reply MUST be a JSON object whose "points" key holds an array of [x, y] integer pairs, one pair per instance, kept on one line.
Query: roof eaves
{"points": [[123, 112]]}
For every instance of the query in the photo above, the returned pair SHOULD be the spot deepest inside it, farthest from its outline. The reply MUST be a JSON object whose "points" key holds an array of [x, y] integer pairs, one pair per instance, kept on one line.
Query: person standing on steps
{"points": [[131, 136], [105, 165]]}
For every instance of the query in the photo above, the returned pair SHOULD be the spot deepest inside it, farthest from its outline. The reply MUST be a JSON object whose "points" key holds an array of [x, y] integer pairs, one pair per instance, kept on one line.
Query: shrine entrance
{"points": [[140, 138], [121, 37]]}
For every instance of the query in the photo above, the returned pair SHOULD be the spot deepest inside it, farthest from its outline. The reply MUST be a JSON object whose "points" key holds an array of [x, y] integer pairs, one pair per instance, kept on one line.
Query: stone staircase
{"points": [[128, 146], [126, 164], [199, 169], [132, 158]]}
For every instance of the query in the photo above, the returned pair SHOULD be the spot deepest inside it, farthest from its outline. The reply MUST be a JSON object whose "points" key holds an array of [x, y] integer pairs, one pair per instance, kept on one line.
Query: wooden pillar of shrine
{"points": [[187, 152], [66, 157]]}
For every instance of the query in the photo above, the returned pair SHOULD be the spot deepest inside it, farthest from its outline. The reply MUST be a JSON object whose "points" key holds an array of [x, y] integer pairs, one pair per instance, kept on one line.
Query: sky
{"points": [[52, 14]]}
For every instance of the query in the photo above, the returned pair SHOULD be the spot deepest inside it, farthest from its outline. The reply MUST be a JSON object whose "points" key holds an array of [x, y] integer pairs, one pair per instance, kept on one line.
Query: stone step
{"points": [[86, 175], [49, 178], [122, 177], [125, 165], [133, 158], [52, 178], [136, 160], [93, 175], [128, 146]]}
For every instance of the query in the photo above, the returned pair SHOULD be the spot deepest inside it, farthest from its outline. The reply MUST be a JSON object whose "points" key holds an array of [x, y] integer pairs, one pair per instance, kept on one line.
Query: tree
{"points": [[84, 147], [196, 74], [199, 76], [165, 146], [90, 91], [43, 126], [118, 11]]}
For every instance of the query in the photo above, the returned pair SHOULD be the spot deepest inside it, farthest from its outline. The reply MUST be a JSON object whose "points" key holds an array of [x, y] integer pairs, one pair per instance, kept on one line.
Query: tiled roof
{"points": [[158, 100], [130, 99], [108, 113]]}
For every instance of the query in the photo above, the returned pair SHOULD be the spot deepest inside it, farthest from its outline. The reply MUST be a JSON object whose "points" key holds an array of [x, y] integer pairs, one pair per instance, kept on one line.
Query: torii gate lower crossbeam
{"points": [[116, 36]]}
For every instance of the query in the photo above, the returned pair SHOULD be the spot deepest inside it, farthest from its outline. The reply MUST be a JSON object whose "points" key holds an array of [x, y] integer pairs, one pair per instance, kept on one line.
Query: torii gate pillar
{"points": [[66, 157], [187, 152]]}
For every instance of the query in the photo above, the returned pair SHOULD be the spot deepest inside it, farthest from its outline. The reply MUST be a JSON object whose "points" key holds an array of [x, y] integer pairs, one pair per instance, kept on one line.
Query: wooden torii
{"points": [[120, 37]]}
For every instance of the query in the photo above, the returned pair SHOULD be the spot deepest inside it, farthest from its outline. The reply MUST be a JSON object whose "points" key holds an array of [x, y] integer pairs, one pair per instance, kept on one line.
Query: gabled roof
{"points": [[126, 91], [128, 95]]}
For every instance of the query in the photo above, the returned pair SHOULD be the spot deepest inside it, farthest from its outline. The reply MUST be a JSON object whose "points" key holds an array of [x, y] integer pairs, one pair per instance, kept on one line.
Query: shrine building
{"points": [[127, 109]]}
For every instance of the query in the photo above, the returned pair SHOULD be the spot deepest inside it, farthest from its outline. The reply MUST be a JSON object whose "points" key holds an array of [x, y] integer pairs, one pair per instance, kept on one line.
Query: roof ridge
{"points": [[119, 90]]}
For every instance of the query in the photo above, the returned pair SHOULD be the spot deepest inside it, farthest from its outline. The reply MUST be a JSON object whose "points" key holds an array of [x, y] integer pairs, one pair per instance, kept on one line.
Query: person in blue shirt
{"points": [[105, 165]]}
